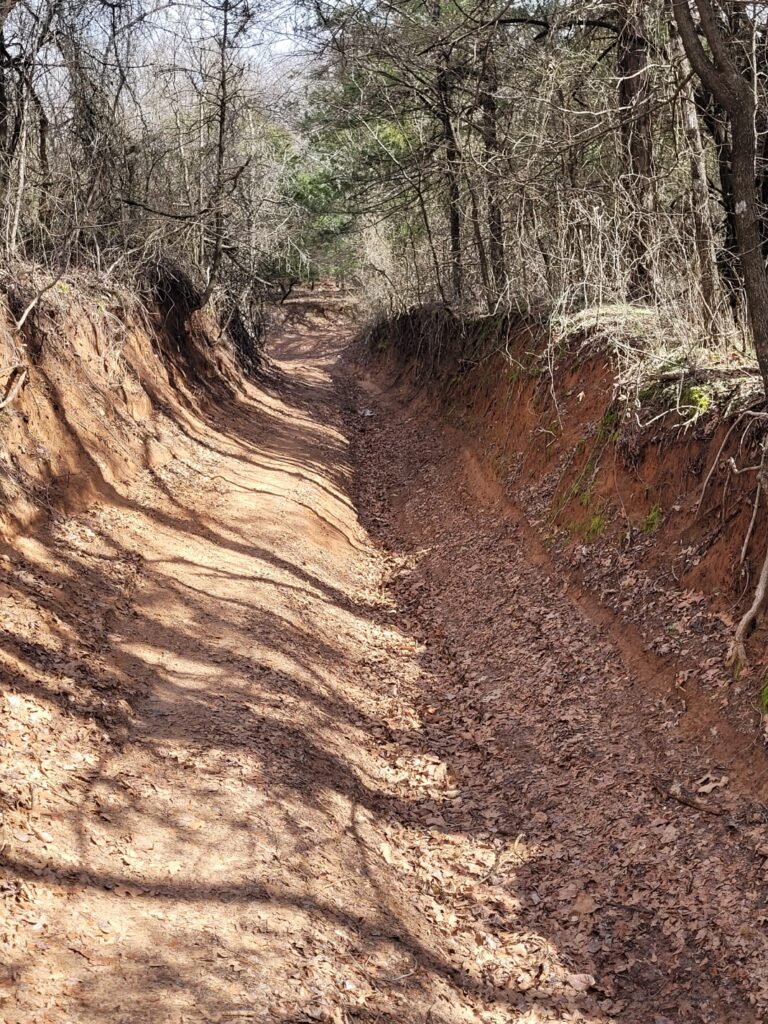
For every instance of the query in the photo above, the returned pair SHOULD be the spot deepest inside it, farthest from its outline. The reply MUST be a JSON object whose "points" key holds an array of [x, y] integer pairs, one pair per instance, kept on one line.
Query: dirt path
{"points": [[375, 769]]}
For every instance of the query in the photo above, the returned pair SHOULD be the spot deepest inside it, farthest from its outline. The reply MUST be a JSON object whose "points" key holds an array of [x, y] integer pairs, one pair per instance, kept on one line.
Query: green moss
{"points": [[608, 427], [650, 393], [652, 520], [581, 487], [512, 373], [691, 399], [696, 398], [596, 526], [764, 699]]}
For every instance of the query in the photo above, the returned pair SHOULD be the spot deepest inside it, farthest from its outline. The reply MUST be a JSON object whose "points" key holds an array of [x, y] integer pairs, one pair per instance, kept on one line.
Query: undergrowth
{"points": [[596, 526], [652, 519], [662, 369]]}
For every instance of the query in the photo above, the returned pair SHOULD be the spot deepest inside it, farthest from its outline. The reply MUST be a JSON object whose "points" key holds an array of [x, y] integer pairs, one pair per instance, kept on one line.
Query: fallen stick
{"points": [[675, 791]]}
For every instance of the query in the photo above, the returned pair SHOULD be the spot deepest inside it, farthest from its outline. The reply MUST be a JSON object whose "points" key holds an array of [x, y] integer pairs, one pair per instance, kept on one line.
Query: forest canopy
{"points": [[487, 155], [555, 154]]}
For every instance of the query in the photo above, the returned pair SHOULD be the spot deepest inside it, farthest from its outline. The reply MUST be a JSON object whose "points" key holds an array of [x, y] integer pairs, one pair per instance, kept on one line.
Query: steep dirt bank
{"points": [[304, 766], [623, 508], [110, 383]]}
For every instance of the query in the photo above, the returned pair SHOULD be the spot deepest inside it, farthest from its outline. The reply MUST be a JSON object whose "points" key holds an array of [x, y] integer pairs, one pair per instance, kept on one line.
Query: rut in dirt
{"points": [[375, 769]]}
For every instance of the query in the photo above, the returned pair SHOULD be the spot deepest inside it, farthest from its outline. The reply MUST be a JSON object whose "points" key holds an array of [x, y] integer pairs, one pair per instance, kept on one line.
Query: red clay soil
{"points": [[308, 729], [648, 519]]}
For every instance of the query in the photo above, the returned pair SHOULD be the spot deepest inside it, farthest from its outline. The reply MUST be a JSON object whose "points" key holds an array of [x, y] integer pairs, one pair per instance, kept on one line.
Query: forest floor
{"points": [[360, 754]]}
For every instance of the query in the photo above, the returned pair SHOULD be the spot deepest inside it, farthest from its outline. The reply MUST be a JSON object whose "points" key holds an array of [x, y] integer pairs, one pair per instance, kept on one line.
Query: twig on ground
{"points": [[675, 791]]}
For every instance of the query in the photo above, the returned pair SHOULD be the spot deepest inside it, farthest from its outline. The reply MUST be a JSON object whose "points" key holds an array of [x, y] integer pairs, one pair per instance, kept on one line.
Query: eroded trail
{"points": [[377, 768]]}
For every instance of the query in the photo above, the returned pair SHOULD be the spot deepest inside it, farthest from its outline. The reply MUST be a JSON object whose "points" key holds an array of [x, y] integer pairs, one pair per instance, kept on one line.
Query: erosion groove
{"points": [[317, 735]]}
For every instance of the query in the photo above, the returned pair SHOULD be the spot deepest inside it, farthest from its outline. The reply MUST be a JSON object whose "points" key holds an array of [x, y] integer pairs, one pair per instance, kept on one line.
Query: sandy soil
{"points": [[309, 730]]}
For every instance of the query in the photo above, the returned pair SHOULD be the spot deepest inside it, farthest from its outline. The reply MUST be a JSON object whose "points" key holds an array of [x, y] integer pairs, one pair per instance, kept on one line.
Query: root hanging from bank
{"points": [[737, 654]]}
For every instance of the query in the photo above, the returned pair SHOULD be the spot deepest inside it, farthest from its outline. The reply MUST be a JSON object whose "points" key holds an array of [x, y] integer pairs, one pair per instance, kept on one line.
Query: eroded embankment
{"points": [[117, 390], [622, 509], [111, 381]]}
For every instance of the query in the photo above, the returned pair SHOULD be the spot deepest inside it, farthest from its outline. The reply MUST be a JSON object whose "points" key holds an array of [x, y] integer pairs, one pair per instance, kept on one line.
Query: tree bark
{"points": [[720, 74], [443, 90], [490, 135], [452, 170], [482, 257], [702, 217], [636, 127], [221, 124], [715, 120]]}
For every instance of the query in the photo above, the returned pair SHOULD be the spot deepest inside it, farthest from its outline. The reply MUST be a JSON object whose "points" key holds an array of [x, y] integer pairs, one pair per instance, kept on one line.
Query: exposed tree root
{"points": [[737, 654], [17, 385], [676, 791]]}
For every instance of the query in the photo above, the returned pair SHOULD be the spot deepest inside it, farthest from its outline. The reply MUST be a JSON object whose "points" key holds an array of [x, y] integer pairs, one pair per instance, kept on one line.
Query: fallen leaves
{"points": [[429, 800], [579, 982], [585, 904], [709, 782]]}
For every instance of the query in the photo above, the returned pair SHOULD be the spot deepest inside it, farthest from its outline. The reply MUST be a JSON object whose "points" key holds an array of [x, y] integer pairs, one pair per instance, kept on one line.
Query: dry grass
{"points": [[654, 350]]}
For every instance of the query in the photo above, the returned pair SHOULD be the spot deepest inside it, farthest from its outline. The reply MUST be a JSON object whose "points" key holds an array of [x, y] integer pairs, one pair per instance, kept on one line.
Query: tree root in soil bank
{"points": [[20, 372], [737, 651], [737, 654]]}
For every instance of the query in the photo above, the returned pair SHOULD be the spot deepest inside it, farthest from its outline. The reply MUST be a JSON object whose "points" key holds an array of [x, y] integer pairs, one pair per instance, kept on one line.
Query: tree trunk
{"points": [[749, 236], [715, 119], [636, 128], [702, 218], [443, 90], [482, 257], [221, 125], [490, 135], [722, 76], [452, 168]]}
